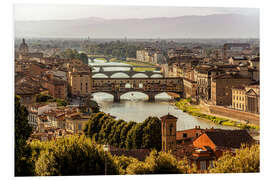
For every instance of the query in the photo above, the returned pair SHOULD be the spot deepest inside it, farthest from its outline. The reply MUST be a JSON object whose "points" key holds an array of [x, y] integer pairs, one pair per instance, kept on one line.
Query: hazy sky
{"points": [[23, 12]]}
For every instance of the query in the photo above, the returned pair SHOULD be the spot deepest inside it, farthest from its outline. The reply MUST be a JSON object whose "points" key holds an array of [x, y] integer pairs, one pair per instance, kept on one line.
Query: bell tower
{"points": [[168, 132]]}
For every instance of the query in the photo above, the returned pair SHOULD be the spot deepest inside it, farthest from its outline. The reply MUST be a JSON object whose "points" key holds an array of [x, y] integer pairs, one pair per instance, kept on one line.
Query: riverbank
{"points": [[185, 106]]}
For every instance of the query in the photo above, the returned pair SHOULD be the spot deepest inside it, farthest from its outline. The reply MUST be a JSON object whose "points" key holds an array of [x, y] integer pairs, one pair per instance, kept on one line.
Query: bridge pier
{"points": [[151, 97], [116, 97]]}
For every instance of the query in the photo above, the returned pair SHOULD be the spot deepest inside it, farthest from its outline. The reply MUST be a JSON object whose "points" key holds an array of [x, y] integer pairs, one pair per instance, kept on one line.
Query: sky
{"points": [[27, 12]]}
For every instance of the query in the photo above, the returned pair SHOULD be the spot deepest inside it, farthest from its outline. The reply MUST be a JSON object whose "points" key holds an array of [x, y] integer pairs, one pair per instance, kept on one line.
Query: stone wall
{"points": [[235, 114]]}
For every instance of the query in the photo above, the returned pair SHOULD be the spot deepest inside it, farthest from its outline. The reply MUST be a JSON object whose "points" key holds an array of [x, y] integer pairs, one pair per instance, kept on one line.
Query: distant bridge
{"points": [[129, 72], [149, 86], [93, 57]]}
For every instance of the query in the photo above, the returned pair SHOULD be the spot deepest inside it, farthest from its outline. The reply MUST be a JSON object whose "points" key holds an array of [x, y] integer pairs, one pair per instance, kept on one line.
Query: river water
{"points": [[135, 107]]}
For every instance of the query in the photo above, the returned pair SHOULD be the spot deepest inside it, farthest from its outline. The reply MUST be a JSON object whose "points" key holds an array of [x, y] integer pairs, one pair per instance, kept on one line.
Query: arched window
{"points": [[171, 128]]}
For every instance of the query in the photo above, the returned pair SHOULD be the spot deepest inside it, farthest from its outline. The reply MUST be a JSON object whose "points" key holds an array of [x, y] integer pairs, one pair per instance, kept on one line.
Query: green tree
{"points": [[74, 156], [246, 159], [124, 132], [23, 165], [84, 58], [122, 163], [151, 133], [156, 163]]}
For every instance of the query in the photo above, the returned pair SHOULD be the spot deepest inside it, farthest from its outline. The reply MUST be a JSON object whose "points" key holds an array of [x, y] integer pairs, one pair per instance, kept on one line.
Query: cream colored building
{"points": [[75, 122], [246, 98], [80, 83]]}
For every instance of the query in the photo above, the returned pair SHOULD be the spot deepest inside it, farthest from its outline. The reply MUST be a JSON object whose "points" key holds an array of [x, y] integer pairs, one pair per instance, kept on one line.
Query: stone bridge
{"points": [[149, 86], [129, 72], [92, 57]]}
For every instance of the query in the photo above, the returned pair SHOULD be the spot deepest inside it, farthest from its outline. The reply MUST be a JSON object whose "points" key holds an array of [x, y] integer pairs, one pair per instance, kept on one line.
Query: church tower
{"points": [[23, 49], [168, 132]]}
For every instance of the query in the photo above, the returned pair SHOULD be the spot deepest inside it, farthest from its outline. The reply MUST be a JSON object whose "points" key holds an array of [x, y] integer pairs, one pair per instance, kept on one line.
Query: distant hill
{"points": [[211, 26]]}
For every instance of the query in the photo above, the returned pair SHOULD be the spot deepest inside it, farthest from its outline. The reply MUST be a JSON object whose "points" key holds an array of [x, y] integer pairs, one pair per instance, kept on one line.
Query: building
{"points": [[246, 98], [211, 145], [190, 89], [149, 55], [168, 131], [56, 83], [75, 122], [200, 146], [24, 53], [80, 83], [239, 60], [234, 49], [221, 93]]}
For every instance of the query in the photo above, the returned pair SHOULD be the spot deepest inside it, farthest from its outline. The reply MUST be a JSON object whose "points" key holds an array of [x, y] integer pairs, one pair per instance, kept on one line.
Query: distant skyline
{"points": [[33, 12]]}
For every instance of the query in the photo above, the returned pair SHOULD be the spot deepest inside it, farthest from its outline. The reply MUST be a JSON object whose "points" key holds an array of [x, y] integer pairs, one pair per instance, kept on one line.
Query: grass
{"points": [[185, 106]]}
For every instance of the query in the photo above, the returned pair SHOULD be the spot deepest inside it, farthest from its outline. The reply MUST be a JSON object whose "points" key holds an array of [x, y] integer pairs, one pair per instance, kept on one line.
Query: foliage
{"points": [[122, 163], [103, 128], [114, 48], [74, 156], [43, 98], [23, 165], [156, 163], [246, 159], [84, 58]]}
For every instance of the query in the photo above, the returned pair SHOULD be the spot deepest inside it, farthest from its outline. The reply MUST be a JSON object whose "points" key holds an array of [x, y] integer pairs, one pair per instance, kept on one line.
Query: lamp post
{"points": [[106, 149]]}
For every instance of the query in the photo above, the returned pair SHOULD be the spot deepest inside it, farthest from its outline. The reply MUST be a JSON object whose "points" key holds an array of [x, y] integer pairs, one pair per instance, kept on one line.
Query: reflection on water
{"points": [[135, 107]]}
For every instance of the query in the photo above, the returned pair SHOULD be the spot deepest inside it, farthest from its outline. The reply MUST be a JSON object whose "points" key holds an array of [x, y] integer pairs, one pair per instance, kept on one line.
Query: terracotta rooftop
{"points": [[229, 138]]}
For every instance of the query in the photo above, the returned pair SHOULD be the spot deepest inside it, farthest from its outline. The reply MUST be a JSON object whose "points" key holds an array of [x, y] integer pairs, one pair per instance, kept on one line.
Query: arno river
{"points": [[135, 107]]}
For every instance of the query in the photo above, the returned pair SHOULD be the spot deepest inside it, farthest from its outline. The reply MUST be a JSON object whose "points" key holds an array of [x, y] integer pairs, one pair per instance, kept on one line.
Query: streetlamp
{"points": [[106, 149]]}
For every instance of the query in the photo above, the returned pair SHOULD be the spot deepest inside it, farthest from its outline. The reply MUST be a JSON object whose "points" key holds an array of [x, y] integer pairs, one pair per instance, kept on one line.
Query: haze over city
{"points": [[135, 21]]}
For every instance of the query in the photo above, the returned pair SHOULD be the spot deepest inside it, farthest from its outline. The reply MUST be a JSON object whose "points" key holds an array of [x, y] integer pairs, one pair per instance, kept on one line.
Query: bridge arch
{"points": [[156, 75], [139, 75], [120, 75], [100, 95], [100, 75], [130, 94]]}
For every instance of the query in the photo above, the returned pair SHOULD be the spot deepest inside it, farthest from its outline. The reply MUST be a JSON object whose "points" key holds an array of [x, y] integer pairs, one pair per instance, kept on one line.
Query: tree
{"points": [[246, 159], [74, 156], [151, 133], [84, 58], [155, 163], [122, 163], [23, 165], [124, 132]]}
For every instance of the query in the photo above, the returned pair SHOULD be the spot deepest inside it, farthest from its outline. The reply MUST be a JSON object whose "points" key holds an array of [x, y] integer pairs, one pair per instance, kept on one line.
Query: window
{"points": [[171, 126], [211, 164], [184, 135], [203, 165], [79, 126]]}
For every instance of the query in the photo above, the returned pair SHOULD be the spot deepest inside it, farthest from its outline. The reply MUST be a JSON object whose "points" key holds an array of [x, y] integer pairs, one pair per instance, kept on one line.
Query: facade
{"points": [[238, 60], [246, 98], [221, 93], [190, 89], [168, 128], [80, 83], [75, 122]]}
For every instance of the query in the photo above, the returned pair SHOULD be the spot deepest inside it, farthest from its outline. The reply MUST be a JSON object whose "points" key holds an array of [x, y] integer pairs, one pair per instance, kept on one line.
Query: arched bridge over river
{"points": [[148, 86]]}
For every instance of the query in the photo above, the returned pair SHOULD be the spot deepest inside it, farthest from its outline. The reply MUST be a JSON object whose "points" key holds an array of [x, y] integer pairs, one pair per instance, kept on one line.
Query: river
{"points": [[135, 107]]}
